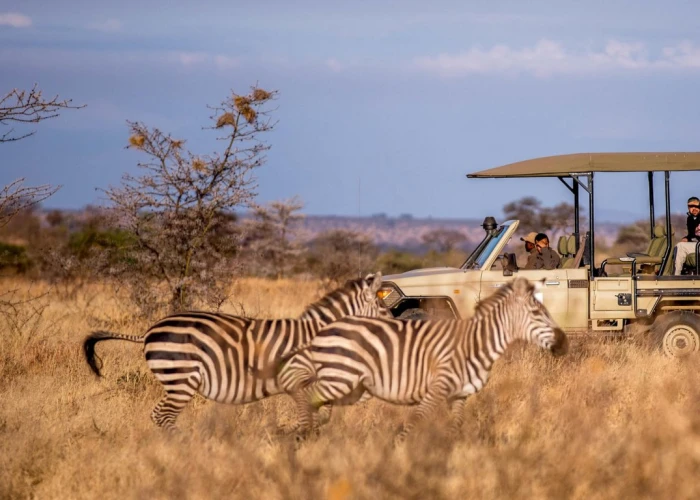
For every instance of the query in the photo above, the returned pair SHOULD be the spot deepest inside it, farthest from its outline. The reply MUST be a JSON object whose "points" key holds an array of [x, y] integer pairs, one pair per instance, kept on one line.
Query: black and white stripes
{"points": [[420, 361], [216, 354]]}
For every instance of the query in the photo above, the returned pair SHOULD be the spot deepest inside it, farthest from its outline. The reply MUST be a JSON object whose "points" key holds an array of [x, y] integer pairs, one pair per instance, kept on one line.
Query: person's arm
{"points": [[551, 258], [531, 261], [689, 226], [694, 230], [556, 260]]}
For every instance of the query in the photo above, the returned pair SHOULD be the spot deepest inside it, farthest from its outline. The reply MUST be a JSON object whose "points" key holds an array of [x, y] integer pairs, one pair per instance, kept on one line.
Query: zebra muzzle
{"points": [[561, 343]]}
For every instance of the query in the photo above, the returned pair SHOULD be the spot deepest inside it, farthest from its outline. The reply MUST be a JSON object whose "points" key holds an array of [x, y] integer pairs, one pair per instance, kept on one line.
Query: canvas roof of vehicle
{"points": [[584, 163]]}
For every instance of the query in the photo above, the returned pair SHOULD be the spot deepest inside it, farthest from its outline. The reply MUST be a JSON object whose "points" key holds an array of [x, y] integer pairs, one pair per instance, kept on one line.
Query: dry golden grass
{"points": [[610, 420]]}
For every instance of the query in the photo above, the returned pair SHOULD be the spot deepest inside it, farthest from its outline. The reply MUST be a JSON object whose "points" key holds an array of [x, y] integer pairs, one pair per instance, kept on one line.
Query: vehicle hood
{"points": [[431, 281], [428, 271]]}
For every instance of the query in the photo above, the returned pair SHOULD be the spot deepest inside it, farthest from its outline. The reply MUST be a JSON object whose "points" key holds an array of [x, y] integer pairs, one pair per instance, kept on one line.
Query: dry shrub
{"points": [[610, 420]]}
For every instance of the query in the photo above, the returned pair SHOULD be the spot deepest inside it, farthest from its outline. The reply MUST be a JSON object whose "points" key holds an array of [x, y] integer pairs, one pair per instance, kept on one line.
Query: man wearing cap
{"points": [[529, 245], [687, 245], [542, 256]]}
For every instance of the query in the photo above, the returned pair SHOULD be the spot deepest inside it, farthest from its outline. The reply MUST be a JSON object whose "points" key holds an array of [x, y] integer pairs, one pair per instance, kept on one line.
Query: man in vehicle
{"points": [[542, 257], [687, 245], [529, 244]]}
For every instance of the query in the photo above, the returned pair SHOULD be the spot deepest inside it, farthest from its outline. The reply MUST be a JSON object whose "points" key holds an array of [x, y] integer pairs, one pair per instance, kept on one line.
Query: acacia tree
{"points": [[270, 236], [23, 107], [28, 106], [535, 217], [15, 197], [341, 254], [174, 206]]}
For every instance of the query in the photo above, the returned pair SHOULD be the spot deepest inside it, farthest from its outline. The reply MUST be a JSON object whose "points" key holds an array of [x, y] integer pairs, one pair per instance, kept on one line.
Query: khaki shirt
{"points": [[547, 259]]}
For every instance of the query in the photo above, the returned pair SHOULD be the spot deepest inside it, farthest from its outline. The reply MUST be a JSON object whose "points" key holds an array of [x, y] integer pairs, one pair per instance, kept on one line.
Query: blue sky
{"points": [[383, 106]]}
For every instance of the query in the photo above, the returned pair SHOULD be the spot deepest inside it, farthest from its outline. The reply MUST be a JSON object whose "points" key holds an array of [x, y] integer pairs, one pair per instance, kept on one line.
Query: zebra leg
{"points": [[171, 405], [326, 411], [324, 415], [456, 416], [427, 406], [307, 410]]}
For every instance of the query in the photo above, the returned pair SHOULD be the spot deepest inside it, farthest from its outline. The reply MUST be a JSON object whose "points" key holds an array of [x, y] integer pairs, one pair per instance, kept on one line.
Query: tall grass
{"points": [[609, 420]]}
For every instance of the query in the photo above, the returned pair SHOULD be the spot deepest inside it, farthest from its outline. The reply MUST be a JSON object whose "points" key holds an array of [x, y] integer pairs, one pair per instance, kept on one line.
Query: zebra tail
{"points": [[271, 370], [91, 357]]}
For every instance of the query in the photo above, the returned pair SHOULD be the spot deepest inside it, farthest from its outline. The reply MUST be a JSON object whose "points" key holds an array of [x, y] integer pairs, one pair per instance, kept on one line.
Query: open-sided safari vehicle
{"points": [[636, 292]]}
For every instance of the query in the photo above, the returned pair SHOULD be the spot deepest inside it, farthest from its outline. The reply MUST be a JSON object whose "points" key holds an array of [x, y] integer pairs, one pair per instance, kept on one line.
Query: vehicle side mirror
{"points": [[510, 265]]}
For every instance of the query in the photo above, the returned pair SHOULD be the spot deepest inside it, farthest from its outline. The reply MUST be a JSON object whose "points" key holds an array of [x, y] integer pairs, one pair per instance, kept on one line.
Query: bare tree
{"points": [[16, 197], [341, 254], [23, 107], [174, 206], [29, 106], [271, 236], [528, 211], [534, 217]]}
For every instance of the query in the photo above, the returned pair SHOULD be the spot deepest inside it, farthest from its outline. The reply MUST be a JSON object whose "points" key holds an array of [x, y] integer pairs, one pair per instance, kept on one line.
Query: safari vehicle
{"points": [[630, 293]]}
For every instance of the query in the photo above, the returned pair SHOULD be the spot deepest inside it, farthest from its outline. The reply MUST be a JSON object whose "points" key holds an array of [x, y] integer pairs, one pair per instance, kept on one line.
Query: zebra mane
{"points": [[351, 286]]}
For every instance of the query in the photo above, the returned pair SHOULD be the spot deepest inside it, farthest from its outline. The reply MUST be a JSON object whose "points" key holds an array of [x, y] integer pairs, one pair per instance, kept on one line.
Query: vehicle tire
{"points": [[415, 313], [677, 333]]}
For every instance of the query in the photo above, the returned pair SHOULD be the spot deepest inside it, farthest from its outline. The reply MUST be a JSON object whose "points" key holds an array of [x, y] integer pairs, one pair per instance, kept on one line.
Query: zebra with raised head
{"points": [[419, 362], [215, 354]]}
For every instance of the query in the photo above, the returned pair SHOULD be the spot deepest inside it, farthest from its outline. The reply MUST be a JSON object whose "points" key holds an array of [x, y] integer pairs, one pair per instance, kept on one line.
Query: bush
{"points": [[14, 258]]}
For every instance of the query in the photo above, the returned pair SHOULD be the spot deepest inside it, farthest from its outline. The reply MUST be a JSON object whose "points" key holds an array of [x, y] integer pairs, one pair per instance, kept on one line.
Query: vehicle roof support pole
{"points": [[669, 237], [652, 217], [577, 216], [591, 246], [575, 184]]}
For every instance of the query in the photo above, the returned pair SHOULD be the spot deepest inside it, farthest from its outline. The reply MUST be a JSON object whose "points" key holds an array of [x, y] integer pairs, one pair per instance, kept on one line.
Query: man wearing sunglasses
{"points": [[687, 244]]}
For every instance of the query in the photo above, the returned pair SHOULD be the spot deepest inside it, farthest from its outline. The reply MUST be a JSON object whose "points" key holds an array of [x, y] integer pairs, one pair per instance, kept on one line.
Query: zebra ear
{"points": [[521, 286], [375, 283]]}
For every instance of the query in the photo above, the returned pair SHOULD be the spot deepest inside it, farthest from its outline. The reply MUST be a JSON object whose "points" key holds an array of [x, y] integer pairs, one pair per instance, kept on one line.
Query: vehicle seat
{"points": [[654, 252], [569, 261], [563, 249]]}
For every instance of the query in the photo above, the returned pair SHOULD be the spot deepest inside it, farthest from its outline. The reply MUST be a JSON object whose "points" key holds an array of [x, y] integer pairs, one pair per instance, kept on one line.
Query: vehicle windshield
{"points": [[488, 249], [482, 252]]}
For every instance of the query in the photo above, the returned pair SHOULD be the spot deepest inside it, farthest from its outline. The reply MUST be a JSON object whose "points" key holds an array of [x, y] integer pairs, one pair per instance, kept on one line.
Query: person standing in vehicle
{"points": [[687, 245], [543, 257]]}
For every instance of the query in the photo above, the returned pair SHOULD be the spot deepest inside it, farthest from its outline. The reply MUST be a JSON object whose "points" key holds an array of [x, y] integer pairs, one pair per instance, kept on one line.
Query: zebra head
{"points": [[531, 320], [369, 303]]}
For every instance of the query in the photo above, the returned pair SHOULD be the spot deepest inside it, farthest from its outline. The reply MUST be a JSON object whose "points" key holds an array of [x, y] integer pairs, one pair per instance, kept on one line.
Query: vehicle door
{"points": [[554, 292]]}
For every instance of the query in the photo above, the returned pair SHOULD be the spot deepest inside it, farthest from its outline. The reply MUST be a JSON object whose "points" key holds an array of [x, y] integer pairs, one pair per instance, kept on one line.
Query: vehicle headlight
{"points": [[389, 295]]}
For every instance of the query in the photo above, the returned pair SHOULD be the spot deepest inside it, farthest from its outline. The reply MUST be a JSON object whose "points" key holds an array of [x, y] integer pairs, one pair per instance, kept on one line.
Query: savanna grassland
{"points": [[609, 420]]}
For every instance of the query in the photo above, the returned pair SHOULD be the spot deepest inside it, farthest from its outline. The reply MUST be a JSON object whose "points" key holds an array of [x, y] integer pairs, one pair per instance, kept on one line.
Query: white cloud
{"points": [[109, 26], [15, 19], [548, 57]]}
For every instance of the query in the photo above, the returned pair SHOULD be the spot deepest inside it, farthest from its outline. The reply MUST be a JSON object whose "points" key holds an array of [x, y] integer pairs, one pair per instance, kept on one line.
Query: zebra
{"points": [[214, 353], [417, 362]]}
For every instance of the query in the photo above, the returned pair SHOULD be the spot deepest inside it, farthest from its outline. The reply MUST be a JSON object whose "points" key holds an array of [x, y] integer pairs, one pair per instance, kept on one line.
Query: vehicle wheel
{"points": [[677, 333], [414, 313]]}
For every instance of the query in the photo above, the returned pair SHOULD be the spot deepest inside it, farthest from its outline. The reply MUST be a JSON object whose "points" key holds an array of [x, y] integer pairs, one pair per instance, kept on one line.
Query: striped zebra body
{"points": [[422, 362], [216, 354]]}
